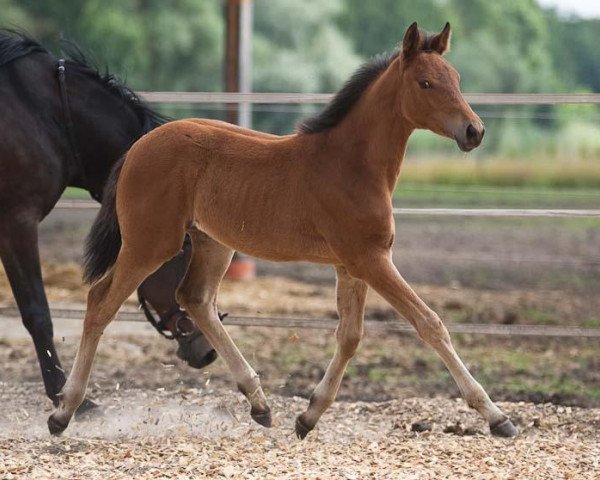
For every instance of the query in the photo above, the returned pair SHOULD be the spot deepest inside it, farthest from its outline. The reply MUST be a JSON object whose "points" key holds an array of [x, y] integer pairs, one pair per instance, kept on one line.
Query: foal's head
{"points": [[431, 97]]}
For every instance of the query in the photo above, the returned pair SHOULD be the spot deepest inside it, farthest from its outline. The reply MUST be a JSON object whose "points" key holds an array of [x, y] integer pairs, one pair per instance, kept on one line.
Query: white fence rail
{"points": [[330, 324], [312, 98], [462, 212]]}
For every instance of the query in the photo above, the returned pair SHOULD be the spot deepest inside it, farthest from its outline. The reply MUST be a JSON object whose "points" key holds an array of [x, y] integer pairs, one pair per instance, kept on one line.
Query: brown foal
{"points": [[323, 195]]}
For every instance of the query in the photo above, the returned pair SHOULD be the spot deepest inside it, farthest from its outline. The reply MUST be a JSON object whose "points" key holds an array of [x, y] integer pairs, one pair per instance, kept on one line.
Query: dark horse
{"points": [[63, 124]]}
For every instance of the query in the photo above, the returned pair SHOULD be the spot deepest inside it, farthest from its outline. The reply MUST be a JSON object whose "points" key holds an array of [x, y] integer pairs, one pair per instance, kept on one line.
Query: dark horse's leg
{"points": [[20, 256]]}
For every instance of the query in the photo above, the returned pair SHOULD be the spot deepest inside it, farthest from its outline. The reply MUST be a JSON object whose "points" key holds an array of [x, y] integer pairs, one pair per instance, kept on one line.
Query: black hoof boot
{"points": [[504, 429], [302, 428], [262, 417], [55, 426]]}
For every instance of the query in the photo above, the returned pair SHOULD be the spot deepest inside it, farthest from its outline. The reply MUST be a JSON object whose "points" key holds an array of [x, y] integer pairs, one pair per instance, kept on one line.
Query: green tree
{"points": [[14, 16], [502, 45], [574, 49], [156, 45], [298, 47], [378, 26]]}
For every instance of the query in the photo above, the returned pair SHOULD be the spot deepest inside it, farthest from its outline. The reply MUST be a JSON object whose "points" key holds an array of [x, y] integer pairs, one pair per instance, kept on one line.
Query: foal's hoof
{"points": [[262, 417], [504, 429], [56, 426], [302, 428], [87, 407]]}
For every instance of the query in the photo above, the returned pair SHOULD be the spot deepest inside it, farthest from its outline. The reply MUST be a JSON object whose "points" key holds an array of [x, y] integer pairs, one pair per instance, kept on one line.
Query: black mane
{"points": [[75, 56], [346, 98], [15, 44]]}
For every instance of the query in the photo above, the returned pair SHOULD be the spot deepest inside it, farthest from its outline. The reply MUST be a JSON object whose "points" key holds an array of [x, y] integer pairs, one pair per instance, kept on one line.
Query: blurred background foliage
{"points": [[313, 46]]}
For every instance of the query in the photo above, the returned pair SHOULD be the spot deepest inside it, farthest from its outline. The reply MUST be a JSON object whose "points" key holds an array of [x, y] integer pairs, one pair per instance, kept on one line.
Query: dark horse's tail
{"points": [[104, 240]]}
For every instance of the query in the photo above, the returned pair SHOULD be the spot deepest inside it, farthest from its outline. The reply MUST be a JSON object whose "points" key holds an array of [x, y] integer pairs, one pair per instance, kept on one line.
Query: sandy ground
{"points": [[161, 419], [207, 433]]}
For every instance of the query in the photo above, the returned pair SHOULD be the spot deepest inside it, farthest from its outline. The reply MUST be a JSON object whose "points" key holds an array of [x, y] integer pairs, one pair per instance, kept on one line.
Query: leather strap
{"points": [[70, 129]]}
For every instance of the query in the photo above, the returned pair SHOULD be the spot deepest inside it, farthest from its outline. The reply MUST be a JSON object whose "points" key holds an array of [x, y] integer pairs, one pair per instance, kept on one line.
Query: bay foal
{"points": [[323, 195]]}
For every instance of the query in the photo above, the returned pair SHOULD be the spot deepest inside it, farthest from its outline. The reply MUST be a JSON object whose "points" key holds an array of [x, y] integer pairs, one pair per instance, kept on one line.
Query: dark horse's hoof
{"points": [[55, 426], [262, 417], [86, 408], [504, 429], [302, 428]]}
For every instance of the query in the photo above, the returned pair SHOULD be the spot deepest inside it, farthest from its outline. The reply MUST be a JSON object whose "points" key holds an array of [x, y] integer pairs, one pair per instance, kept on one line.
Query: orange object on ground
{"points": [[242, 268]]}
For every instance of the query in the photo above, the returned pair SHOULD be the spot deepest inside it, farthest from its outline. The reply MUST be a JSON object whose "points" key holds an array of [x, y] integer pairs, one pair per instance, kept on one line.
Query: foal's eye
{"points": [[425, 84]]}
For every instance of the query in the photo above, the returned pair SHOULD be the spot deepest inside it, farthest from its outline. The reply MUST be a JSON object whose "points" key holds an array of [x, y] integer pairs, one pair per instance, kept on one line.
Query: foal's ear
{"points": [[441, 42], [412, 41]]}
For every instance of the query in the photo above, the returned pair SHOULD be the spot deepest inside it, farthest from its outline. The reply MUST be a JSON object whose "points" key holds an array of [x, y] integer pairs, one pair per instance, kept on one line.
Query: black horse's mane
{"points": [[15, 44], [76, 56]]}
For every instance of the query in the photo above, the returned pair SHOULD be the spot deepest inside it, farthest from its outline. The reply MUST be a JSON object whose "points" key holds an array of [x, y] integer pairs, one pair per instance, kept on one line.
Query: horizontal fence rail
{"points": [[312, 98], [370, 325], [462, 212], [497, 212]]}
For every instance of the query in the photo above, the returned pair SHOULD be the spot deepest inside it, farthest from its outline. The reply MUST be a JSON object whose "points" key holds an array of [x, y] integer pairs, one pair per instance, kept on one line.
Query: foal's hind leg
{"points": [[198, 295], [104, 300], [381, 274], [351, 295]]}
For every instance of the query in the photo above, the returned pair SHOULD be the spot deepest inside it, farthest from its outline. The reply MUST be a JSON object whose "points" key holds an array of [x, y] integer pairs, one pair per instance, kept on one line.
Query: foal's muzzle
{"points": [[471, 137]]}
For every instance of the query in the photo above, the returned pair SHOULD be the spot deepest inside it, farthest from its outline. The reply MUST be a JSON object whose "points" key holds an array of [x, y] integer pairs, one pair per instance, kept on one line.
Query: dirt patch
{"points": [[484, 253], [291, 362], [274, 295]]}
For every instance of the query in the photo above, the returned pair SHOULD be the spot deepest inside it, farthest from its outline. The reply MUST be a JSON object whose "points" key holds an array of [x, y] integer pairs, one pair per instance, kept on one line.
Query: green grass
{"points": [[527, 182], [577, 173], [591, 322], [553, 386], [521, 371], [72, 193], [539, 317], [471, 196]]}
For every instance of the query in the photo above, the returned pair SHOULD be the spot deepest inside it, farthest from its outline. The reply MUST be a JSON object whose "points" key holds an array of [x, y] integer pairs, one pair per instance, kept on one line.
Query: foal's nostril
{"points": [[471, 133]]}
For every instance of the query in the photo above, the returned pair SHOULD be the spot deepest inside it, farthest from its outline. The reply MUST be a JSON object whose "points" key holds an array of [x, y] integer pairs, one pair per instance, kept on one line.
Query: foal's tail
{"points": [[104, 240]]}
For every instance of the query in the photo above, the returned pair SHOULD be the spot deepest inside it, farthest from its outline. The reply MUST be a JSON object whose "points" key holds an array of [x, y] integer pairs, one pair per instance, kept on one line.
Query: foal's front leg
{"points": [[381, 274], [351, 294]]}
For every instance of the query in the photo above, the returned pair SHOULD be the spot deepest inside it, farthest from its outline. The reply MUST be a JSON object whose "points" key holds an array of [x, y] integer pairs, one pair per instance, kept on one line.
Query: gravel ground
{"points": [[207, 433], [163, 420]]}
